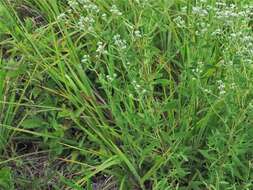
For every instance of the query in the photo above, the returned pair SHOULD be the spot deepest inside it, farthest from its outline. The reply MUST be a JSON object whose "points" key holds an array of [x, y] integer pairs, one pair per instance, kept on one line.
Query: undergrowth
{"points": [[126, 94]]}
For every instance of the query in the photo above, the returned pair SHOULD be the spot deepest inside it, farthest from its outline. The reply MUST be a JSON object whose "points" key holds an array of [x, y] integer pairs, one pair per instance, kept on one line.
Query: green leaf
{"points": [[70, 183], [163, 82], [173, 104], [64, 113], [207, 155], [34, 122], [6, 181]]}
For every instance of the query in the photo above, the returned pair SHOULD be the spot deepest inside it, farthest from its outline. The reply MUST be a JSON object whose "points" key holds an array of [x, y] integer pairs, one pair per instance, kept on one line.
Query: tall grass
{"points": [[133, 94]]}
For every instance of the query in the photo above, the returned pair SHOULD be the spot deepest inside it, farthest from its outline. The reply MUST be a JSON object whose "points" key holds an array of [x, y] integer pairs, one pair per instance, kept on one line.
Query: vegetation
{"points": [[126, 94]]}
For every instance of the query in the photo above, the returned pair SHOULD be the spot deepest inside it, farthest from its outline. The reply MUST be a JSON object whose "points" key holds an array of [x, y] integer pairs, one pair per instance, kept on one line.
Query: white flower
{"points": [[179, 22], [217, 32], [207, 91], [61, 16], [114, 10], [73, 3], [104, 16], [69, 11], [220, 4], [81, 22], [94, 8], [88, 5], [111, 78], [199, 11], [198, 70], [233, 86], [221, 87], [119, 42], [222, 92], [137, 34], [138, 88], [87, 21], [143, 91], [184, 9], [85, 58], [84, 1], [101, 48]]}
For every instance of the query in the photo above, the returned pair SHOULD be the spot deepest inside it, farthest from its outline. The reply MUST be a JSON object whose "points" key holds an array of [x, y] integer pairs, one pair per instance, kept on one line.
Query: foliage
{"points": [[133, 94]]}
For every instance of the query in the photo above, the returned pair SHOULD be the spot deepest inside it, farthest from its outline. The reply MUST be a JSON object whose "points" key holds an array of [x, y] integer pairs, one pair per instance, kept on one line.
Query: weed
{"points": [[136, 94]]}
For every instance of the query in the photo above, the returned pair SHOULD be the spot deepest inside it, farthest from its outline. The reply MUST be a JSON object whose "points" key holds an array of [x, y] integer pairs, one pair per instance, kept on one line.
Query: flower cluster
{"points": [[115, 11], [85, 58], [101, 48], [240, 44], [137, 34], [199, 68], [233, 86], [179, 21], [221, 87], [86, 22], [138, 88], [111, 78], [199, 11], [89, 6], [217, 32], [202, 28], [208, 91], [104, 17], [73, 4], [61, 16], [120, 43]]}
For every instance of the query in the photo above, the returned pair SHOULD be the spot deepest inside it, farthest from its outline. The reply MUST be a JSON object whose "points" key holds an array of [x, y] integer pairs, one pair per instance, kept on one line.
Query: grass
{"points": [[126, 94]]}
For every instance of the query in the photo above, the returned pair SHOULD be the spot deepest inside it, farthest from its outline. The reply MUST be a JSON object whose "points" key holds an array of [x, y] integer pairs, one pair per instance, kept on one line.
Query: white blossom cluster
{"points": [[137, 34], [228, 14], [138, 88], [101, 48], [61, 16], [202, 28], [224, 13], [85, 58], [221, 87], [198, 69], [199, 11], [179, 21], [73, 4], [86, 22], [111, 78], [217, 32], [120, 43], [115, 11], [89, 6]]}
